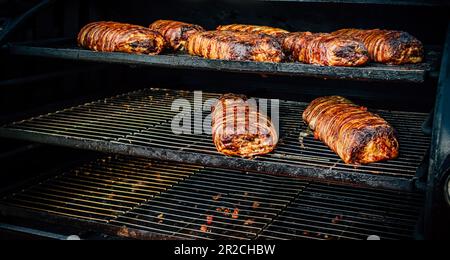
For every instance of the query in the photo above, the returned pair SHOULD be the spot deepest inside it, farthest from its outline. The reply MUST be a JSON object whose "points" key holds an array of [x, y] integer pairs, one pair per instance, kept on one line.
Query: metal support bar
{"points": [[31, 231]]}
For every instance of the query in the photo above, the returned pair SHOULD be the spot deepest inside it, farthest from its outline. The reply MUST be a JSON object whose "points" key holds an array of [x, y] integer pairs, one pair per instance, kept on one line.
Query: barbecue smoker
{"points": [[87, 147]]}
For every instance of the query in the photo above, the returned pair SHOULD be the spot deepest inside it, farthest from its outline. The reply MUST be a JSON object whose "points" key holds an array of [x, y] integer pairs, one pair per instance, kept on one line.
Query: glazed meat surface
{"points": [[356, 135], [325, 49], [389, 47], [120, 37], [238, 129], [275, 32], [175, 33], [238, 46]]}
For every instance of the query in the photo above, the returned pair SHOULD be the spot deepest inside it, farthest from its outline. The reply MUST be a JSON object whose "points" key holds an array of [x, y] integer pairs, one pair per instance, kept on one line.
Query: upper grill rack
{"points": [[191, 202], [66, 49], [139, 124]]}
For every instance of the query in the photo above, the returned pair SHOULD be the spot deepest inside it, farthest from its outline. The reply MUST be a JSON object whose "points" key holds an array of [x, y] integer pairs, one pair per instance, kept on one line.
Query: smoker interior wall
{"points": [[67, 17], [39, 159], [427, 23]]}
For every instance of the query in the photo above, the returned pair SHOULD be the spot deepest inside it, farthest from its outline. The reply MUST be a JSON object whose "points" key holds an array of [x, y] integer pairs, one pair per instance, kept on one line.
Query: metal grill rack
{"points": [[66, 49], [193, 202], [139, 124], [329, 212]]}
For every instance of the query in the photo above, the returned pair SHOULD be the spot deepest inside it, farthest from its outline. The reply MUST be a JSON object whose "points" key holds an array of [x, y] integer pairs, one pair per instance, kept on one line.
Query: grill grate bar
{"points": [[261, 212], [327, 218], [73, 192], [206, 212], [48, 207], [93, 192], [354, 208], [56, 212]]}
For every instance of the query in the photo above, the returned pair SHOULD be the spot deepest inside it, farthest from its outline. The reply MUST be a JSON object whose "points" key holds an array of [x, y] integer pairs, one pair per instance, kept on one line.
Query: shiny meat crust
{"points": [[389, 47], [175, 33], [325, 49], [238, 129], [238, 46], [275, 32], [356, 135], [119, 37]]}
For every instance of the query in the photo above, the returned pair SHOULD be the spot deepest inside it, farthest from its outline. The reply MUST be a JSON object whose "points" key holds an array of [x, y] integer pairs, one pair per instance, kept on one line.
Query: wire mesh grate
{"points": [[330, 212], [139, 124], [194, 202]]}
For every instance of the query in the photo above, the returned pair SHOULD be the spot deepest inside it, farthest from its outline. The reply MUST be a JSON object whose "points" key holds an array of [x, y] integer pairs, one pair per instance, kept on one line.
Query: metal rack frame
{"points": [[65, 49], [439, 157], [138, 123], [147, 199]]}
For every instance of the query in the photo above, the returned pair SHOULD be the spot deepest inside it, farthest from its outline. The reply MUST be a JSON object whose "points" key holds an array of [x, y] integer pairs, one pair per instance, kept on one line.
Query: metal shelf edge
{"points": [[373, 73], [375, 181]]}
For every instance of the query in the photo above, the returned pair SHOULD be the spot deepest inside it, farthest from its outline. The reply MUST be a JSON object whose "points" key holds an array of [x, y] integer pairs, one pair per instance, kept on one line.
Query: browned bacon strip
{"points": [[238, 46], [325, 49], [356, 135], [238, 129], [275, 32], [390, 47], [175, 33], [120, 37]]}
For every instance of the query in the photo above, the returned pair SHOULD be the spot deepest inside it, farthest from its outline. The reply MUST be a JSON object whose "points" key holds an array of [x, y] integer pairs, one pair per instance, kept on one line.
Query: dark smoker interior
{"points": [[32, 85]]}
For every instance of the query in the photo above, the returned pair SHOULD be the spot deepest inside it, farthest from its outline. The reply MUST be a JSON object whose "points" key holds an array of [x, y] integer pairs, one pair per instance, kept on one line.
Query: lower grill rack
{"points": [[139, 124], [187, 201], [333, 212]]}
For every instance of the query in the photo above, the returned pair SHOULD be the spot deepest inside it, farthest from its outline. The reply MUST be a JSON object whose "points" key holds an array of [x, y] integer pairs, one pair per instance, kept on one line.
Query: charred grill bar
{"points": [[129, 176]]}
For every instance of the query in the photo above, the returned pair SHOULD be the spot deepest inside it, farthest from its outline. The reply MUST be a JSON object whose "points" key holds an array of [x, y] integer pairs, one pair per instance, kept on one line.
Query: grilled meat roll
{"points": [[120, 37], [238, 129], [389, 47], [175, 33], [325, 49], [275, 32], [238, 46], [356, 135]]}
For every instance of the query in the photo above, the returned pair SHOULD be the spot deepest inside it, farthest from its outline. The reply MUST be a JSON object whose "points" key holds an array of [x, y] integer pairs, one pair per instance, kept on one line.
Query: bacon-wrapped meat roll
{"points": [[275, 32], [238, 129], [238, 46], [356, 135], [389, 47], [120, 37], [175, 33], [325, 49]]}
